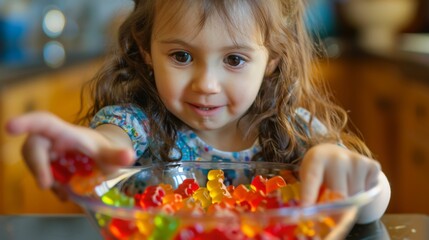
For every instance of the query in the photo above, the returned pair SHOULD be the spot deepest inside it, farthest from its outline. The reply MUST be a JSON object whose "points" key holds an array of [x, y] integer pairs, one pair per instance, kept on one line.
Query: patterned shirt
{"points": [[136, 124]]}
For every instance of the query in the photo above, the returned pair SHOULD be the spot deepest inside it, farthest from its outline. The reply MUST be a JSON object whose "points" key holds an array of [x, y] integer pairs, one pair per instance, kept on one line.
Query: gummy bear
{"points": [[70, 163], [122, 229], [151, 197], [217, 190], [203, 196], [215, 174], [274, 183], [187, 187], [172, 202], [283, 231], [165, 227], [115, 198], [85, 184], [258, 183], [256, 199], [193, 232], [78, 170], [240, 193]]}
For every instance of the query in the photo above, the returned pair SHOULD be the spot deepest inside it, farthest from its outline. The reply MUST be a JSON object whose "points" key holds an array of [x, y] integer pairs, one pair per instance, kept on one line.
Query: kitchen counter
{"points": [[47, 227], [393, 226], [65, 227]]}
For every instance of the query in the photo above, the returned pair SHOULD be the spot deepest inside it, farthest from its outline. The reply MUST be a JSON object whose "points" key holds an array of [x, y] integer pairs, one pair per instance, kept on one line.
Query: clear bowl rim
{"points": [[358, 200]]}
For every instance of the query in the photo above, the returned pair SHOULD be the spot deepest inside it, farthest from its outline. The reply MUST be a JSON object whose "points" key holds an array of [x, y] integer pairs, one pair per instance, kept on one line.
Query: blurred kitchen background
{"points": [[376, 62]]}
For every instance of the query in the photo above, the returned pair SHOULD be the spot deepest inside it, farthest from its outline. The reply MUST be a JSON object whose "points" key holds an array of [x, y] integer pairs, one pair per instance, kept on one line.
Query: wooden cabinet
{"points": [[57, 92], [413, 169], [390, 108]]}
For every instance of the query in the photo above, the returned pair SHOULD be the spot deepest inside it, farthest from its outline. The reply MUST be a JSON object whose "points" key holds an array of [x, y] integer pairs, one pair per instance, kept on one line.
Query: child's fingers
{"points": [[36, 155], [13, 126], [336, 178], [42, 123], [360, 168], [311, 176], [356, 185], [63, 137], [373, 175], [60, 191]]}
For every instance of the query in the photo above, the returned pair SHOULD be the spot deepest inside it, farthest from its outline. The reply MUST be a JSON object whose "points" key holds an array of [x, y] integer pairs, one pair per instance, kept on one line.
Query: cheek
{"points": [[166, 91], [163, 79], [162, 91], [170, 89], [243, 95]]}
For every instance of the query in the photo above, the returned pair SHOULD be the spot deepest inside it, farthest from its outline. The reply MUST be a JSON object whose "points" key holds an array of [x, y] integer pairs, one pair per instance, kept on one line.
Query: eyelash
{"points": [[183, 54], [241, 60], [175, 56]]}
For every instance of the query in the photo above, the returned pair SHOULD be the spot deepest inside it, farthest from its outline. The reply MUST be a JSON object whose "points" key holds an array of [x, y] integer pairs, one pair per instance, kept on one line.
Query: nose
{"points": [[206, 80]]}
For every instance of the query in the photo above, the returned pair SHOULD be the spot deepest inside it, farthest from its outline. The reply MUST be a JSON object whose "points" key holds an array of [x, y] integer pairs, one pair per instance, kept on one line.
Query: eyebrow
{"points": [[240, 46]]}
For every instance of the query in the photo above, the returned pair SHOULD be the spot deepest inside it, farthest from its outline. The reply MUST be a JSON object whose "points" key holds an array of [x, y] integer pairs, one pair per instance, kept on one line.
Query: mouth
{"points": [[205, 110], [204, 107]]}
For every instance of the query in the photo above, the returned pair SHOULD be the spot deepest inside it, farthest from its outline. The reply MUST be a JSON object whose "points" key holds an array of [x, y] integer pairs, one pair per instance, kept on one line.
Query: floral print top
{"points": [[136, 124]]}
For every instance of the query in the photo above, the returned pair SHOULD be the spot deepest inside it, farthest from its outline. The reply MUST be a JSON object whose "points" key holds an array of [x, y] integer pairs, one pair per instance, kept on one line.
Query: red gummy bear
{"points": [[122, 229], [70, 163], [187, 187], [191, 232], [259, 183], [283, 231], [151, 197]]}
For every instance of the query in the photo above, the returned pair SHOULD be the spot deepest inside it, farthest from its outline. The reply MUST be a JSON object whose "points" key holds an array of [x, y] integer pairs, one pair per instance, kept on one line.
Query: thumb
{"points": [[111, 159]]}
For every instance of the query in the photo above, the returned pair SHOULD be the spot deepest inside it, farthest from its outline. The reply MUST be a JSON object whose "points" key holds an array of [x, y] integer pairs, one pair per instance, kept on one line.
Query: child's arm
{"points": [[47, 135], [346, 172]]}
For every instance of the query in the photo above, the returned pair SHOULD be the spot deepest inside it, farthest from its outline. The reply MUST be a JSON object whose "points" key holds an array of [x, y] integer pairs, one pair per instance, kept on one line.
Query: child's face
{"points": [[207, 79]]}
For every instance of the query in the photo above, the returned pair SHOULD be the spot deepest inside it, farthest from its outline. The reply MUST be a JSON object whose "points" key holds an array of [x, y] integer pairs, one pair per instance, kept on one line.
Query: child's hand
{"points": [[48, 135], [338, 169]]}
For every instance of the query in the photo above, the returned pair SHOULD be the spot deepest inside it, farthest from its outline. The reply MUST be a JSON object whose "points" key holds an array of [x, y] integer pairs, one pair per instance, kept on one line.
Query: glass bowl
{"points": [[120, 219]]}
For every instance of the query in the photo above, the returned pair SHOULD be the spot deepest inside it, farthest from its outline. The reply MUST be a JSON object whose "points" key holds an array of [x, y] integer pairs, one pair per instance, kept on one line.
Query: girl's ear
{"points": [[146, 56], [271, 66]]}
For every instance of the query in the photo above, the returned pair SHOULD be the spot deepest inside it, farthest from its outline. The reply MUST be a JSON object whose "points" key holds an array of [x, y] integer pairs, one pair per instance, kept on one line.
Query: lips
{"points": [[205, 110]]}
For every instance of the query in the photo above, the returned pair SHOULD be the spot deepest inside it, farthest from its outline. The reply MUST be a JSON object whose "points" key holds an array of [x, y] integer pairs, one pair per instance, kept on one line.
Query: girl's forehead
{"points": [[190, 17]]}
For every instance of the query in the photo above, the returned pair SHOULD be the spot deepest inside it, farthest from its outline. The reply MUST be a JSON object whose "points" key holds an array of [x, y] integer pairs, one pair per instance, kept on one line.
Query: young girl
{"points": [[213, 80]]}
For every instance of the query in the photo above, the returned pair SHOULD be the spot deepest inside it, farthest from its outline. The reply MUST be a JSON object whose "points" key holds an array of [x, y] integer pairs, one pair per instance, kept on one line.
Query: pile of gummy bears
{"points": [[191, 211]]}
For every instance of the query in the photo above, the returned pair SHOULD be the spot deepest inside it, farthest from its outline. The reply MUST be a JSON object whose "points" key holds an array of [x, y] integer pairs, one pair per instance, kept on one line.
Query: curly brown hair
{"points": [[126, 78]]}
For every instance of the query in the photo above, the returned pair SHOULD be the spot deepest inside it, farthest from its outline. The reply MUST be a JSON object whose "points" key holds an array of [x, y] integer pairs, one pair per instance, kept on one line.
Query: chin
{"points": [[203, 126]]}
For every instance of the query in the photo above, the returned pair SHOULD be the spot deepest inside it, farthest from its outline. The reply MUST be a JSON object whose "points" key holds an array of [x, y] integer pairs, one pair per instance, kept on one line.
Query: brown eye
{"points": [[182, 57], [234, 60]]}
